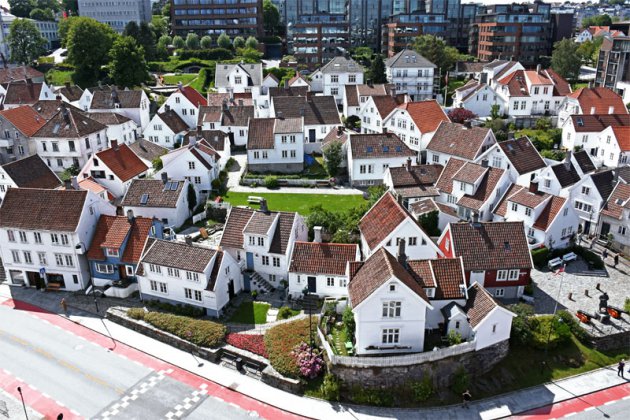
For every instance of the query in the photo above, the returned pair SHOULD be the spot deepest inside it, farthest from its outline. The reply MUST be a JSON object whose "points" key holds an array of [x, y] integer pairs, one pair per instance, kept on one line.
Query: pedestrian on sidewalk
{"points": [[616, 260], [64, 306], [466, 397], [620, 367], [605, 254]]}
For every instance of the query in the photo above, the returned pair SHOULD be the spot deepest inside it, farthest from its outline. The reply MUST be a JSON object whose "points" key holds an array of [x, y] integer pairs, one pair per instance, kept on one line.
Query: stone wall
{"points": [[285, 168], [611, 341], [442, 372]]}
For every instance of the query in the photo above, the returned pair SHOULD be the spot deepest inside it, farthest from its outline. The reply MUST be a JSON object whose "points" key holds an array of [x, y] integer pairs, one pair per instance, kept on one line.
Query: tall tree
{"points": [[271, 17], [192, 41], [461, 115], [224, 41], [48, 4], [589, 50], [436, 51], [146, 39], [132, 29], [45, 15], [377, 70], [88, 44], [333, 155], [25, 41], [71, 7], [598, 20], [127, 66], [165, 40], [206, 42], [565, 59], [64, 27], [239, 42], [178, 42], [22, 8], [251, 43]]}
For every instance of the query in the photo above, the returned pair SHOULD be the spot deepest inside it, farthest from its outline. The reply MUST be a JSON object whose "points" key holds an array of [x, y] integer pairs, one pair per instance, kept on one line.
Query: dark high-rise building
{"points": [[316, 38], [234, 17], [613, 65], [401, 30], [562, 26], [520, 32]]}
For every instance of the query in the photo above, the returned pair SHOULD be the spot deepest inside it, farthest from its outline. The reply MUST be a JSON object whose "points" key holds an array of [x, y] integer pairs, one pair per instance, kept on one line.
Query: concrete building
{"points": [[234, 18], [316, 39], [412, 74], [117, 13], [613, 66]]}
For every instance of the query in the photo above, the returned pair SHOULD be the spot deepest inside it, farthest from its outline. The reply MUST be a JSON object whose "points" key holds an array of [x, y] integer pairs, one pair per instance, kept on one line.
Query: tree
{"points": [[239, 42], [25, 41], [52, 5], [159, 26], [436, 51], [192, 198], [206, 42], [333, 156], [251, 43], [565, 59], [165, 41], [224, 41], [88, 46], [132, 29], [146, 39], [271, 17], [429, 222], [166, 10], [192, 41], [127, 66], [461, 115], [42, 15], [64, 28], [495, 111], [70, 6], [589, 50], [22, 8], [178, 42], [598, 20], [377, 70]]}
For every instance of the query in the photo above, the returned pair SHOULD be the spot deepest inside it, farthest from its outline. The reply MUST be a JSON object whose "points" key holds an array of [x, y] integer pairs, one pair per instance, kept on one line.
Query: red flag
{"points": [[560, 270]]}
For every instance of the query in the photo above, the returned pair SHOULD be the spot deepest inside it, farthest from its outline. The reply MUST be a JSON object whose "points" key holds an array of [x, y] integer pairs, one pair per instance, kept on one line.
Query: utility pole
{"points": [[19, 389]]}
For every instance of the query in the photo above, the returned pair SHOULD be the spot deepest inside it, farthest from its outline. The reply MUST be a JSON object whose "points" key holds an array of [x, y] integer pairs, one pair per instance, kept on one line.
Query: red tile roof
{"points": [[378, 146], [123, 162], [427, 115], [485, 190], [382, 219], [479, 304], [322, 258], [618, 201], [598, 122], [449, 276], [25, 119], [549, 213], [445, 182], [457, 140], [623, 137], [137, 240], [193, 96], [501, 208], [523, 155], [110, 232], [599, 98]]}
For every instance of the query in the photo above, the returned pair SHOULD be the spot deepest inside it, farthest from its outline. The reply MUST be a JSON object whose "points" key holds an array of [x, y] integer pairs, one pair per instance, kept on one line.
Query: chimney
{"points": [[180, 86], [302, 112], [369, 83], [611, 110], [226, 106], [67, 184], [75, 183], [199, 129], [164, 177], [188, 240], [484, 163], [339, 131], [167, 108], [533, 186], [401, 256], [240, 102], [263, 206], [538, 69], [510, 135], [592, 110], [58, 97], [474, 216], [67, 85], [130, 216], [29, 81], [286, 83], [114, 144], [279, 115], [408, 164], [317, 234], [567, 160]]}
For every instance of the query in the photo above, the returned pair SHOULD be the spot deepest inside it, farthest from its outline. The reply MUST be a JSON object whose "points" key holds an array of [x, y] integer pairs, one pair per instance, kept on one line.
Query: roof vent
{"points": [[370, 149], [506, 246]]}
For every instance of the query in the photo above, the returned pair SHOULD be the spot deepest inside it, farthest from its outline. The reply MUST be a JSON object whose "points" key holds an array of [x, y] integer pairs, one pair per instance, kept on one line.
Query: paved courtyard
{"points": [[582, 283]]}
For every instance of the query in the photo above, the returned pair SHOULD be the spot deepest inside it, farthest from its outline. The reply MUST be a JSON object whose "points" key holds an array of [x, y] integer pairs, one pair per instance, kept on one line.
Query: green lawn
{"points": [[340, 337], [300, 203], [250, 313], [578, 85], [185, 78], [58, 77]]}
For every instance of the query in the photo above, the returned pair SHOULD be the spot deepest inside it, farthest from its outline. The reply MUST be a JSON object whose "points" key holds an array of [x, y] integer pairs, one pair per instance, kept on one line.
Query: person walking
{"points": [[620, 367], [616, 260], [604, 255], [64, 306], [466, 397]]}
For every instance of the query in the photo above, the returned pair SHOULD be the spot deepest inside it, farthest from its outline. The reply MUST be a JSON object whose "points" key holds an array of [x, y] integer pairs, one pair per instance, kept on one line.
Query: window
{"points": [[16, 256], [515, 105], [238, 80], [192, 276], [276, 261], [510, 275], [38, 237], [621, 230], [191, 165], [496, 162], [42, 258], [69, 261], [499, 292], [392, 287], [334, 79], [585, 190], [261, 241], [293, 153], [413, 241], [252, 240], [54, 238], [436, 158], [256, 155], [23, 238], [197, 180], [265, 154], [192, 294], [265, 260], [184, 111], [582, 206], [391, 309], [285, 154], [352, 78], [523, 103], [547, 183], [129, 270], [334, 91], [391, 335], [528, 211], [158, 286], [451, 199], [343, 282], [155, 268], [104, 268], [177, 99], [457, 325], [64, 239], [530, 232], [172, 272], [27, 257], [330, 281], [565, 212], [111, 252]]}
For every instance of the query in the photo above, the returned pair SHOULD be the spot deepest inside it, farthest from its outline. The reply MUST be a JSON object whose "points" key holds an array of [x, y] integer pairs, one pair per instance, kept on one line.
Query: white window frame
{"points": [[104, 268], [392, 309]]}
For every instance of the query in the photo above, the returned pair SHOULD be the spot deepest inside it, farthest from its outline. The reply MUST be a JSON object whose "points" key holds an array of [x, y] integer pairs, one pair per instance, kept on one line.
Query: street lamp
{"points": [[555, 309], [19, 389], [310, 318]]}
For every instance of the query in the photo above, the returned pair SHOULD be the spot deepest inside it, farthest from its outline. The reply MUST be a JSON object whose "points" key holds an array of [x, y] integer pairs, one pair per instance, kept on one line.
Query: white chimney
{"points": [[592, 110], [317, 234], [611, 109]]}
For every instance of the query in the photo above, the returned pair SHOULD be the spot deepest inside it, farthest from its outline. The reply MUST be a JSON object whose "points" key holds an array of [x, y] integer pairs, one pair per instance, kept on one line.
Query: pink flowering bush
{"points": [[310, 363], [250, 342]]}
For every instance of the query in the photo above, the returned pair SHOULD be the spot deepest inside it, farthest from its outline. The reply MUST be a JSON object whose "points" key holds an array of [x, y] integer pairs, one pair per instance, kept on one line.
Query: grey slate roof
{"points": [[157, 195], [31, 172], [341, 65], [69, 123], [107, 99], [253, 70], [317, 110], [178, 255], [147, 150], [173, 121], [408, 59]]}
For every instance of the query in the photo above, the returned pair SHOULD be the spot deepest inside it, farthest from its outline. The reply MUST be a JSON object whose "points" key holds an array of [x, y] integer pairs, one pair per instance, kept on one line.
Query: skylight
{"points": [[144, 199]]}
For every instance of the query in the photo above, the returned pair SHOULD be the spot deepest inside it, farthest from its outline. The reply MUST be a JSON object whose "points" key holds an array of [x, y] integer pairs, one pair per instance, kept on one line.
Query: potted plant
{"points": [[254, 294]]}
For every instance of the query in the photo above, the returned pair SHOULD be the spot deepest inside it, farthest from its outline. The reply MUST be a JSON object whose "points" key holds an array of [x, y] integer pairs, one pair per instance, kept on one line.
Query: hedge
{"points": [[280, 342], [586, 254], [179, 309], [218, 54], [540, 256], [199, 332]]}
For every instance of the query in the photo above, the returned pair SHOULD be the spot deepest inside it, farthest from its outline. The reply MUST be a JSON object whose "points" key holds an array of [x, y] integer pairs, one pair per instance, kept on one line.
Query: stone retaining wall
{"points": [[611, 341]]}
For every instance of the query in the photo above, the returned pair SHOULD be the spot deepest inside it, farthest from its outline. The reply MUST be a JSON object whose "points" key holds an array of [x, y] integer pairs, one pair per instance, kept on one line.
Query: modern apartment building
{"points": [[234, 17], [520, 32], [116, 13], [316, 39], [401, 30], [613, 66]]}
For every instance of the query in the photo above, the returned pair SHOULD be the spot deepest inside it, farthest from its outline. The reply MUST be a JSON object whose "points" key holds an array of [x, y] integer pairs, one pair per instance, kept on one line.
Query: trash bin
{"points": [[239, 363]]}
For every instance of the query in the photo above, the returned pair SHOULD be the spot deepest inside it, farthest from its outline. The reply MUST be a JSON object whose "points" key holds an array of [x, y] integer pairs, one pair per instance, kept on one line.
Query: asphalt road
{"points": [[618, 409], [94, 381]]}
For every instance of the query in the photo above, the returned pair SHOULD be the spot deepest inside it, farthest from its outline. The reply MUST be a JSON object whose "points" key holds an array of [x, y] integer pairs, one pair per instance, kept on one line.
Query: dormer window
{"points": [[111, 252], [430, 292]]}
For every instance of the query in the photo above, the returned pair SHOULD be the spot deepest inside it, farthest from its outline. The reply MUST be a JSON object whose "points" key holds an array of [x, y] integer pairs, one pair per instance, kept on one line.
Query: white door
{"points": [[477, 276]]}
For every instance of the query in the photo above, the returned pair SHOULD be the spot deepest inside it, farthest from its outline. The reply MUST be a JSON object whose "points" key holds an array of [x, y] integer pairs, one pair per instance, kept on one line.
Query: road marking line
{"points": [[59, 404], [627, 397], [569, 415], [589, 408], [610, 402], [32, 387]]}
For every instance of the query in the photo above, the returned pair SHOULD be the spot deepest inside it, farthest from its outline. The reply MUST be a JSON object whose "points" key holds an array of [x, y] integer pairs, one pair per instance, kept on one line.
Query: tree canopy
{"points": [[597, 20], [127, 66], [461, 115], [436, 51], [377, 70], [333, 155], [239, 42], [589, 51], [45, 15], [206, 42], [565, 59], [178, 42], [251, 43], [88, 43], [271, 17], [224, 41], [25, 41], [22, 8], [192, 41]]}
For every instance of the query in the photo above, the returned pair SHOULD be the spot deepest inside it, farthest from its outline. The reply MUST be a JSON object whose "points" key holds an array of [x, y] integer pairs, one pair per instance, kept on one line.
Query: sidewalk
{"points": [[496, 407]]}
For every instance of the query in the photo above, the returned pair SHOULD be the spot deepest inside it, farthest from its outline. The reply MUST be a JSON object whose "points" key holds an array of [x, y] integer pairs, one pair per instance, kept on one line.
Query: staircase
{"points": [[259, 283]]}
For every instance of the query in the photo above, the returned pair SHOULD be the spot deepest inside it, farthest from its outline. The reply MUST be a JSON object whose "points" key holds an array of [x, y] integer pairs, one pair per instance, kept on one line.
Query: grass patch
{"points": [[300, 203], [250, 313], [185, 78], [340, 337], [578, 85], [452, 85], [59, 77]]}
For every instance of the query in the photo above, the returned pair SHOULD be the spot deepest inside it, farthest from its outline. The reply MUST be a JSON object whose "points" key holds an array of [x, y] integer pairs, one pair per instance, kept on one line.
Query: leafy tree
{"points": [[132, 29], [598, 20], [565, 59], [251, 43], [250, 55], [333, 155], [52, 5], [88, 46], [165, 40], [589, 50], [166, 10], [157, 164], [543, 124], [64, 28], [25, 41], [461, 115], [206, 42], [159, 26], [127, 67], [429, 223], [42, 14], [22, 8], [436, 51], [146, 39], [70, 6], [271, 17], [239, 42], [377, 70], [224, 41], [192, 198], [178, 42], [192, 41], [495, 111]]}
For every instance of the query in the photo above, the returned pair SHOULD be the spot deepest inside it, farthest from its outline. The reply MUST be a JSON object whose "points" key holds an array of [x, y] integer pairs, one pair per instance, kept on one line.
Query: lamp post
{"points": [[555, 309], [19, 389], [310, 318]]}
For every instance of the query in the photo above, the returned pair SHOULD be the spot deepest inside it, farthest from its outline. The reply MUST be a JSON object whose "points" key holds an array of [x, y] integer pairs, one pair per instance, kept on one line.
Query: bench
{"points": [[571, 256], [253, 367], [252, 199], [556, 262], [229, 358], [53, 286]]}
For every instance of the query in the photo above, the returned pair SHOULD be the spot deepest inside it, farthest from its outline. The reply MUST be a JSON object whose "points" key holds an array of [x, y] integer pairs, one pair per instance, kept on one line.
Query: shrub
{"points": [[254, 294], [281, 340], [626, 305], [423, 390], [573, 325], [521, 332], [330, 389], [529, 290], [199, 332], [179, 309], [548, 330], [371, 396], [250, 342], [271, 182], [454, 338], [136, 313], [540, 256], [309, 361], [219, 54], [461, 381], [285, 313], [348, 321]]}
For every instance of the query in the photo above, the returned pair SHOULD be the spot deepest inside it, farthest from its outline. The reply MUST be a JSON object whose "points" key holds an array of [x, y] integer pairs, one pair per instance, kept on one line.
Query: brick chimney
{"points": [[114, 144], [400, 255], [533, 186], [408, 164]]}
